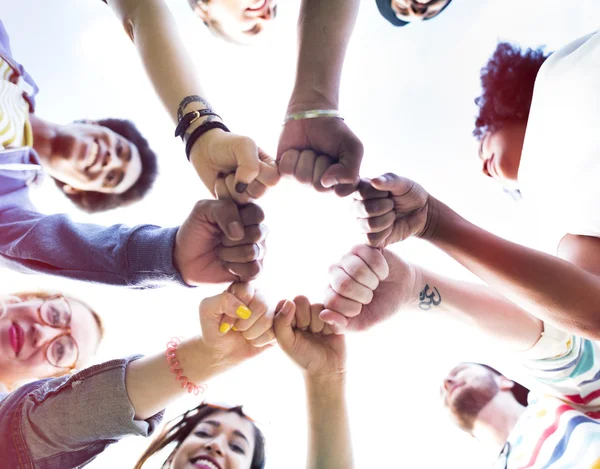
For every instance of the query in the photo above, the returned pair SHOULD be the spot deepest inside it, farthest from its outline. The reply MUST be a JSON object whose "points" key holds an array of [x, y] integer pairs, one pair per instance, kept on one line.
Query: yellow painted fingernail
{"points": [[243, 312], [234, 329], [225, 328]]}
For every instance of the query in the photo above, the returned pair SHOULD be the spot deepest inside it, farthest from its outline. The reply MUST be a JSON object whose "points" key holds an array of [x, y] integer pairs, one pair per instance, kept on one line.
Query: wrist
{"points": [[325, 381], [306, 100]]}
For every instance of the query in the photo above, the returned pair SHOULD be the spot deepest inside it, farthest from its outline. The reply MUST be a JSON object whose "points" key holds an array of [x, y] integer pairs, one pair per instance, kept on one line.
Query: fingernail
{"points": [[286, 308], [240, 187], [382, 178], [236, 229], [243, 312], [225, 328], [234, 329]]}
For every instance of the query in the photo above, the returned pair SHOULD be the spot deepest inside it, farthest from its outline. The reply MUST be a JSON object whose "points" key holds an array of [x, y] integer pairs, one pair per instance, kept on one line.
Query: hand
{"points": [[323, 152], [220, 242], [217, 154], [366, 287], [220, 314], [316, 351], [391, 208]]}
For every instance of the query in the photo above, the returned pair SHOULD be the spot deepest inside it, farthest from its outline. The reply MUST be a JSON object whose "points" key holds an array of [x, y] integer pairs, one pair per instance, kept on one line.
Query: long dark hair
{"points": [[178, 429]]}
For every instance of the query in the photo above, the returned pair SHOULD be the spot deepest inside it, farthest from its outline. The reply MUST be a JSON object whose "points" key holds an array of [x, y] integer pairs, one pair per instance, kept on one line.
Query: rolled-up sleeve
{"points": [[65, 422]]}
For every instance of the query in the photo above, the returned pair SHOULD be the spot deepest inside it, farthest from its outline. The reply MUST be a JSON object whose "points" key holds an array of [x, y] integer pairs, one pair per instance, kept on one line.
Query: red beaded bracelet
{"points": [[173, 364]]}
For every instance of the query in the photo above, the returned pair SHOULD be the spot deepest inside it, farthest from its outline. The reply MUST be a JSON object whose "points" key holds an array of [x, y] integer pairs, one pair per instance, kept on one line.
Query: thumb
{"points": [[393, 183], [246, 155], [340, 174], [282, 323], [219, 312]]}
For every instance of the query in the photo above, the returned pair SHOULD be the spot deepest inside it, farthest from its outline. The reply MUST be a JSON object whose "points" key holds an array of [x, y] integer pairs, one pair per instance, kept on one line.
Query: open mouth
{"points": [[92, 157], [205, 462], [16, 337]]}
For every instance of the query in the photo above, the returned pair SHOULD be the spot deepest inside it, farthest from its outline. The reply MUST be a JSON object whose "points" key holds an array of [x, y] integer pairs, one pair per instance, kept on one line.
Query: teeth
{"points": [[206, 463], [92, 154]]}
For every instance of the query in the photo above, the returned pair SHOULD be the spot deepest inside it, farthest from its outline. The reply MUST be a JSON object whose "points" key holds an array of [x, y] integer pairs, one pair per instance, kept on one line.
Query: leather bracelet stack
{"points": [[200, 131], [191, 117]]}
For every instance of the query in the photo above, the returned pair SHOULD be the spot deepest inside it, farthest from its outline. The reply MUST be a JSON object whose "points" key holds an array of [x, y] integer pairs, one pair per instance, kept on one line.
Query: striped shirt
{"points": [[15, 129], [561, 429]]}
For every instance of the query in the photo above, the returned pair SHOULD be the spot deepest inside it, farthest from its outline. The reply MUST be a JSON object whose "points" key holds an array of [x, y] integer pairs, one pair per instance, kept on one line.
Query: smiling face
{"points": [[90, 157], [223, 440], [237, 20], [467, 389], [413, 10], [27, 343], [500, 153]]}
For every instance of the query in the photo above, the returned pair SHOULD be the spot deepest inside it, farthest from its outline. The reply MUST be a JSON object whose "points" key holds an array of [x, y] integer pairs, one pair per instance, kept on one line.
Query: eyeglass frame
{"points": [[66, 328]]}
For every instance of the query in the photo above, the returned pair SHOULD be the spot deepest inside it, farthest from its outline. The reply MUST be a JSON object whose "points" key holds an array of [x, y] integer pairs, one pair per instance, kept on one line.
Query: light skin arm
{"points": [[321, 357], [363, 293], [329, 443], [152, 28], [201, 358]]}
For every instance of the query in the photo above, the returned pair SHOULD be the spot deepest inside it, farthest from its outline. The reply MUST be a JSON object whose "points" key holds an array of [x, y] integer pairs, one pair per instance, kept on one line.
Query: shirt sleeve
{"points": [[567, 365], [67, 421], [138, 257]]}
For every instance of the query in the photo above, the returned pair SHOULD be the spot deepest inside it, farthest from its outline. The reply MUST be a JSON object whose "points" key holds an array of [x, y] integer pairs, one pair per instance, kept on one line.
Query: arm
{"points": [[322, 358], [77, 416], [203, 250], [323, 152], [368, 285], [152, 27], [545, 286], [324, 30]]}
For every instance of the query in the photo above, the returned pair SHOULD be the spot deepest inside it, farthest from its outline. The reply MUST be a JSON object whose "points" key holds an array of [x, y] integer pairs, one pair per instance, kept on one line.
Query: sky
{"points": [[408, 94]]}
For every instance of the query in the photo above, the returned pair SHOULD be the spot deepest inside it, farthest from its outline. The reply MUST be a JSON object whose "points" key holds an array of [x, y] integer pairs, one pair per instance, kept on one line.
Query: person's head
{"points": [[507, 83], [237, 21], [224, 438], [101, 165], [403, 12], [44, 335], [470, 387]]}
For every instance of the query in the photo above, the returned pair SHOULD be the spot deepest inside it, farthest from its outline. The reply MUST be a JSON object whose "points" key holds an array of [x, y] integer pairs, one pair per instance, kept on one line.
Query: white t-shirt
{"points": [[559, 173]]}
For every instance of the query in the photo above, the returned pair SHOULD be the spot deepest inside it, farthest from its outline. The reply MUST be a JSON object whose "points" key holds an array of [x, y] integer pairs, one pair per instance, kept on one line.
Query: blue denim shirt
{"points": [[64, 423], [140, 257]]}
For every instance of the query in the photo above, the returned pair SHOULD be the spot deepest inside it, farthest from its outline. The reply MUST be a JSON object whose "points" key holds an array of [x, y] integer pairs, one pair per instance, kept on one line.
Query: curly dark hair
{"points": [[178, 429], [92, 201], [507, 82]]}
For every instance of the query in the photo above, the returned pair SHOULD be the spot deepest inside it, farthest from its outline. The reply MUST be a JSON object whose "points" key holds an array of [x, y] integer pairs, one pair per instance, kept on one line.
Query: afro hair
{"points": [[507, 82]]}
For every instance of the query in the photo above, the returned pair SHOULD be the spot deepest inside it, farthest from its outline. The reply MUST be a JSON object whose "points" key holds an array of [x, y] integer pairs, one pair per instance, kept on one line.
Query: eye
{"points": [[119, 148], [238, 449], [202, 434], [58, 351], [55, 316], [110, 178]]}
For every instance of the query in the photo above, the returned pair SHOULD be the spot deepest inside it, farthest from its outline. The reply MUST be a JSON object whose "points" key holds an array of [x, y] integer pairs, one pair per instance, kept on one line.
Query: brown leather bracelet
{"points": [[200, 131], [186, 121]]}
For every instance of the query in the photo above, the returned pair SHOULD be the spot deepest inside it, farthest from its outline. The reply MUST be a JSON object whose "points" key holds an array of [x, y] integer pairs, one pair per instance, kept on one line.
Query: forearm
{"points": [[324, 30], [140, 257], [478, 306], [152, 27], [151, 385], [329, 442], [545, 286]]}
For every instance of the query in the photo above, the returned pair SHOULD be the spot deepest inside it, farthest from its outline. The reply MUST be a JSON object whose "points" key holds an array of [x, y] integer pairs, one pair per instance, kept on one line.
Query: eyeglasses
{"points": [[502, 461], [62, 351]]}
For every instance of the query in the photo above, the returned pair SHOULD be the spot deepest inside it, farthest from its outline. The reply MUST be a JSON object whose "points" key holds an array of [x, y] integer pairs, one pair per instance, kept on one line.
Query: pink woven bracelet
{"points": [[173, 364]]}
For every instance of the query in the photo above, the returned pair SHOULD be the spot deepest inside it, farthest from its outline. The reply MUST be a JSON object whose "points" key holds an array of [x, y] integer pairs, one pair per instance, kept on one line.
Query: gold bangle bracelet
{"points": [[312, 114]]}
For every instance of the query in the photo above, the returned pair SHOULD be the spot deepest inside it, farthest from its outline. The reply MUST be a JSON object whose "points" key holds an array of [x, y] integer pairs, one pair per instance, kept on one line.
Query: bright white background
{"points": [[408, 94]]}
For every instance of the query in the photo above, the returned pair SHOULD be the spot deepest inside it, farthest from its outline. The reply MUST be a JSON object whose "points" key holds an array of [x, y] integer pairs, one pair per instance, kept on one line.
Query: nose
{"points": [[269, 14], [42, 334], [215, 447], [448, 383]]}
